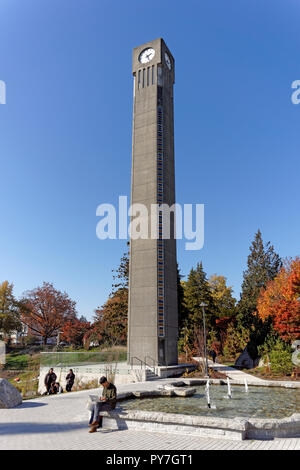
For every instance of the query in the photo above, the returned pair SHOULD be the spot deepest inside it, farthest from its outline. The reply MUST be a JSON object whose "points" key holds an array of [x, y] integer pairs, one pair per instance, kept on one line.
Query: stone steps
{"points": [[150, 375]]}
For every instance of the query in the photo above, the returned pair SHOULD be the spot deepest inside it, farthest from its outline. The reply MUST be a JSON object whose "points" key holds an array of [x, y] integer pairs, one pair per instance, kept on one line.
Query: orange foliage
{"points": [[280, 301], [74, 331]]}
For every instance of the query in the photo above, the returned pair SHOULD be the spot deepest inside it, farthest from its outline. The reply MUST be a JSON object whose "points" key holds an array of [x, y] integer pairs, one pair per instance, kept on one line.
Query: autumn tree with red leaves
{"points": [[74, 331], [279, 300], [110, 324], [45, 310], [110, 321]]}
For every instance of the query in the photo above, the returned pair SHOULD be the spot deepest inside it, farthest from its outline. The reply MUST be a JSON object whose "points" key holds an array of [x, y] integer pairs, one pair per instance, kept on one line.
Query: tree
{"points": [[222, 295], [74, 331], [46, 310], [279, 301], [263, 265], [184, 344], [182, 311], [110, 324], [197, 291], [96, 333], [222, 326], [110, 321], [281, 358], [9, 310], [236, 340], [121, 274]]}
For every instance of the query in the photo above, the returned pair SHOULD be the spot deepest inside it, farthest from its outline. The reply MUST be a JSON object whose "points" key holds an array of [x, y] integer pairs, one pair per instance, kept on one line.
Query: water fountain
{"points": [[229, 394], [207, 394], [209, 399], [271, 412]]}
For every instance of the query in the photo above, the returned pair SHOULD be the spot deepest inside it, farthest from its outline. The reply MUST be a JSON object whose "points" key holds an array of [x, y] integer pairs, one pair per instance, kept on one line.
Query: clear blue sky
{"points": [[65, 132]]}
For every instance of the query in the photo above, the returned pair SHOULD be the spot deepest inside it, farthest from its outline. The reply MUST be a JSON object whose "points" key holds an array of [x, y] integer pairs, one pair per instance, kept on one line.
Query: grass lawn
{"points": [[15, 361], [26, 367], [68, 359]]}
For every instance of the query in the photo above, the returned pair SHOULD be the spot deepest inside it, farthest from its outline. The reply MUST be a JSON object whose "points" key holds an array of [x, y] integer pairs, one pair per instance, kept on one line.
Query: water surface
{"points": [[259, 402]]}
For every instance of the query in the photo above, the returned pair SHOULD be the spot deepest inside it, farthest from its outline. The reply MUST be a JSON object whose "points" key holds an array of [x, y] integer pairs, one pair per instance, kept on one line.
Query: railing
{"points": [[143, 363], [155, 364], [138, 359]]}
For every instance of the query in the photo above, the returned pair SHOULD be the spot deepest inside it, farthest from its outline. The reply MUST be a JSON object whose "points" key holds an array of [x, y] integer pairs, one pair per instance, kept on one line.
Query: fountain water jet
{"points": [[207, 394], [229, 394], [246, 386]]}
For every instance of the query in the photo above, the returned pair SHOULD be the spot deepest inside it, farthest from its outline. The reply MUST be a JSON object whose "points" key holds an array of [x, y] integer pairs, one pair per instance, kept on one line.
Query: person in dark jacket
{"points": [[213, 355], [56, 388], [50, 379], [70, 380], [105, 403]]}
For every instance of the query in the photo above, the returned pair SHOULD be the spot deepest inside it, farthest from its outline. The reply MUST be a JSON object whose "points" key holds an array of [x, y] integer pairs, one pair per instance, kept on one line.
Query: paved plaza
{"points": [[60, 422], [232, 373]]}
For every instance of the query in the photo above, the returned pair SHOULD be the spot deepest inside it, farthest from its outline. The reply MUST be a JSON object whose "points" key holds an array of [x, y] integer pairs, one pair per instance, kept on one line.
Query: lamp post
{"points": [[58, 339], [203, 305]]}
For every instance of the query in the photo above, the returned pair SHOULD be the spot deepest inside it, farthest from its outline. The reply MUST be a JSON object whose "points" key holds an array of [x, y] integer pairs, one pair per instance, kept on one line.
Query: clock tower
{"points": [[153, 308]]}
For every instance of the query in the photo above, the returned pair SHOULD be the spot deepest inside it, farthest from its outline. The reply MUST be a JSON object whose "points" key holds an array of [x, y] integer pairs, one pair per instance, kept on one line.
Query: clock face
{"points": [[168, 61], [146, 55]]}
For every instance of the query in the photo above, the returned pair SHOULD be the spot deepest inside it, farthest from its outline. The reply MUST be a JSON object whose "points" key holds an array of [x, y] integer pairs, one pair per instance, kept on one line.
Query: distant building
{"points": [[18, 337]]}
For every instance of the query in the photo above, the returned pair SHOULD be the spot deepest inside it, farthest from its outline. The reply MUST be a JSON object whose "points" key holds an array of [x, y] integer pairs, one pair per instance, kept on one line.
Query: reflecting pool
{"points": [[258, 402]]}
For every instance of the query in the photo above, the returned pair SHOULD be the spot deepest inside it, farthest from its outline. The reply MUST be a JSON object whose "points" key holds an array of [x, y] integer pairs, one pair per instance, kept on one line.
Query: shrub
{"points": [[31, 340], [28, 384], [81, 385], [269, 344], [281, 358], [236, 341]]}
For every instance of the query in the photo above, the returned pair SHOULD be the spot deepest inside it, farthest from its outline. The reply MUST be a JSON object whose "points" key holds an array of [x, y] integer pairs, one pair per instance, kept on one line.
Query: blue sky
{"points": [[65, 132]]}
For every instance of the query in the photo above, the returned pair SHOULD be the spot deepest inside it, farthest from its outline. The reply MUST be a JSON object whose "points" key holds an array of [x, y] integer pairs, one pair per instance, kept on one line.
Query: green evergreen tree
{"points": [[263, 265], [197, 291], [182, 311]]}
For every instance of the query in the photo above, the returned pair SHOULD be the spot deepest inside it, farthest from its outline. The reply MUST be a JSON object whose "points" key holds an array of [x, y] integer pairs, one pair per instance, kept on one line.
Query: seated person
{"points": [[56, 388], [105, 403]]}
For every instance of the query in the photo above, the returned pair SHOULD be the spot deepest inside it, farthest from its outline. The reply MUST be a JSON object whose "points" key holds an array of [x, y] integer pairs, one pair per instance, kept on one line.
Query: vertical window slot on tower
{"points": [[148, 76], [153, 75], [159, 76], [143, 78], [139, 79]]}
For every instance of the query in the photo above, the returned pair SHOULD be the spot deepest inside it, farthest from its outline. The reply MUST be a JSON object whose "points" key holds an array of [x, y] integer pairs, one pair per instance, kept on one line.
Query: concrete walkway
{"points": [[239, 376], [60, 422], [231, 372]]}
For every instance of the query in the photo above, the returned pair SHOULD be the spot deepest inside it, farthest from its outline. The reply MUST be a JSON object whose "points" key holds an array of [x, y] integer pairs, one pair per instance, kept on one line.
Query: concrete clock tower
{"points": [[153, 309]]}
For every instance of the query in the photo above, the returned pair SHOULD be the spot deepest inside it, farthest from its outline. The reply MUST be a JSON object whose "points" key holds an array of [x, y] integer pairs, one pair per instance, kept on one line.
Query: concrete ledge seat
{"points": [[204, 381], [238, 428], [262, 383], [202, 426], [124, 396], [270, 428], [184, 392], [175, 423], [146, 393], [168, 390]]}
